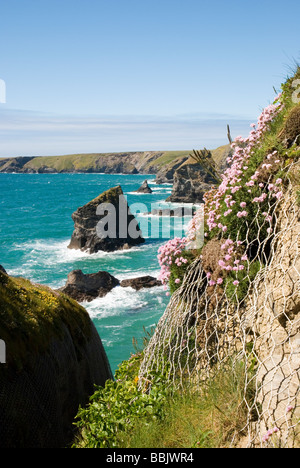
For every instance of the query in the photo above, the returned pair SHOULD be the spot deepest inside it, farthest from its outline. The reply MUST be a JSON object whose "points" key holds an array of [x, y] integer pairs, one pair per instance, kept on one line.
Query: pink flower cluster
{"points": [[171, 252], [243, 149], [194, 227], [168, 254]]}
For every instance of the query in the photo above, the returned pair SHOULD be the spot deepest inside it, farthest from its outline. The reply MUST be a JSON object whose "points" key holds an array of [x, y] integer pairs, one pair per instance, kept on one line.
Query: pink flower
{"points": [[240, 214], [177, 281], [219, 280], [243, 204], [236, 282]]}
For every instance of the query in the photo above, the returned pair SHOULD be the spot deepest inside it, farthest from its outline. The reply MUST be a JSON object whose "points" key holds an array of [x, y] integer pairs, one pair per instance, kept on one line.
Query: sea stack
{"points": [[106, 224], [144, 188]]}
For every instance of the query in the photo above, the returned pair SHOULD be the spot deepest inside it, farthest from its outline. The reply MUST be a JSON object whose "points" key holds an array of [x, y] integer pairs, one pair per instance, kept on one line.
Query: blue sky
{"points": [[126, 75]]}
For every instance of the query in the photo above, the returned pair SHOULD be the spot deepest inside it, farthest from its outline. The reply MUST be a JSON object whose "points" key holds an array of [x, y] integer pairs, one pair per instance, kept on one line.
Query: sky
{"points": [[84, 76]]}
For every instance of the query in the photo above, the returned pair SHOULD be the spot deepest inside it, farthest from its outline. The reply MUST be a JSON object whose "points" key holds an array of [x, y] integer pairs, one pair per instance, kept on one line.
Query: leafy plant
{"points": [[118, 406]]}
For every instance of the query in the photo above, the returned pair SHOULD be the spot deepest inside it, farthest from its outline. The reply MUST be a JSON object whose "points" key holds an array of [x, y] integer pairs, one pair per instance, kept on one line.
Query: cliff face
{"points": [[272, 317], [143, 162], [54, 357], [191, 180]]}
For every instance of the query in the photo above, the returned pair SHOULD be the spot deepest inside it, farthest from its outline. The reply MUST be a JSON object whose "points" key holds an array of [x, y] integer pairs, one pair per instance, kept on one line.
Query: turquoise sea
{"points": [[35, 230]]}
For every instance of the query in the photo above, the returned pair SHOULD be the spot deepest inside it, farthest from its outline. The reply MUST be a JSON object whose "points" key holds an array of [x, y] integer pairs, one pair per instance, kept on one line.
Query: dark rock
{"points": [[141, 282], [144, 188], [2, 269], [105, 223], [191, 181], [10, 165], [165, 174], [88, 287]]}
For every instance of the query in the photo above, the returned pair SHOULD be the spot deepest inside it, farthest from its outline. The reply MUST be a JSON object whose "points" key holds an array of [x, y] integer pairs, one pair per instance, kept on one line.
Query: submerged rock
{"points": [[106, 224], [88, 287]]}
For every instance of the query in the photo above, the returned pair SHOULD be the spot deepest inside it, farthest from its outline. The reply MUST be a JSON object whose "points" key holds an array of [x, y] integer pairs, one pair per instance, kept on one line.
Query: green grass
{"points": [[66, 162], [125, 414], [169, 157], [208, 417]]}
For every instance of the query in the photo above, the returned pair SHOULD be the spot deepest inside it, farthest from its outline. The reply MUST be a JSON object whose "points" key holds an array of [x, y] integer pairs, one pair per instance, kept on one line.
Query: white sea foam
{"points": [[115, 302], [123, 301], [62, 254]]}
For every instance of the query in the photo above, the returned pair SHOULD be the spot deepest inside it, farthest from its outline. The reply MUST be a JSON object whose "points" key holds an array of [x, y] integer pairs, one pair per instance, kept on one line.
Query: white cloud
{"points": [[32, 133]]}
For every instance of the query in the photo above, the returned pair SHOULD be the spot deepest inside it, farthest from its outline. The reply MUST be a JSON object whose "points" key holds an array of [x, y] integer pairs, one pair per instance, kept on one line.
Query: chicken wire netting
{"points": [[207, 327]]}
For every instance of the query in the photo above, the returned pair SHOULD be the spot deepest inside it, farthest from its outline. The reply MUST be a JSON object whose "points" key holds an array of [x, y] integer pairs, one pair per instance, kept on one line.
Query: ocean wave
{"points": [[116, 302]]}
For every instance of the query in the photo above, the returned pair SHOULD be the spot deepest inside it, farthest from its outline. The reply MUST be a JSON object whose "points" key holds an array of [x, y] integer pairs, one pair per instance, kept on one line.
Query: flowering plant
{"points": [[240, 211]]}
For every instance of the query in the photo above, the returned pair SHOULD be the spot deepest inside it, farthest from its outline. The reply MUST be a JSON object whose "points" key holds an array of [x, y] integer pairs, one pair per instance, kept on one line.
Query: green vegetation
{"points": [[132, 414], [30, 315], [85, 162], [167, 158], [115, 409], [69, 162]]}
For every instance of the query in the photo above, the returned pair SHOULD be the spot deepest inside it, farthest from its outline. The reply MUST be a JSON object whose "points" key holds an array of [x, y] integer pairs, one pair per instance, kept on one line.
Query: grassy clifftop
{"points": [[143, 162]]}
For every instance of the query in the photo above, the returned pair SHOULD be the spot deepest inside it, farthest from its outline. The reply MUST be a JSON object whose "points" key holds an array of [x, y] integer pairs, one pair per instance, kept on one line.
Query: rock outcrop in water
{"points": [[106, 224], [54, 358], [88, 287], [144, 188], [141, 282]]}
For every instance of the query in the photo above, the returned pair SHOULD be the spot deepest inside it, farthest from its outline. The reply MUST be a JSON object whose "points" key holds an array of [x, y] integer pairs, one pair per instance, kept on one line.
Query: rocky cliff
{"points": [[191, 180], [113, 228], [54, 357], [272, 318], [143, 162]]}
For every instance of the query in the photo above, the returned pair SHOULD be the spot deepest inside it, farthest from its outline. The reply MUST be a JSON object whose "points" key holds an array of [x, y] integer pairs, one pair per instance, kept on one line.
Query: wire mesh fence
{"points": [[254, 320]]}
